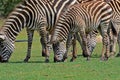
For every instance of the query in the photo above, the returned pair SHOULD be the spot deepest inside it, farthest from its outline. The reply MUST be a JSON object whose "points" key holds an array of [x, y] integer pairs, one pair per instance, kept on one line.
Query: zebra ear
{"points": [[2, 37]]}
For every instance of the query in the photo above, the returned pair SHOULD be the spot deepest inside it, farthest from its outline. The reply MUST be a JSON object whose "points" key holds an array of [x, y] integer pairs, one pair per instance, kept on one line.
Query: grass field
{"points": [[36, 69]]}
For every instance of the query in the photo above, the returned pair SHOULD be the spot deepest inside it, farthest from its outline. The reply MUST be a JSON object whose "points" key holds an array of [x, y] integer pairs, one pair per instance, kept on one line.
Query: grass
{"points": [[36, 69]]}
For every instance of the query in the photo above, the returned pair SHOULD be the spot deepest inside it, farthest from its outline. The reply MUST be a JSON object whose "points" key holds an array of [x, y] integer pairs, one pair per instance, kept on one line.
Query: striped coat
{"points": [[115, 23], [84, 18], [39, 15]]}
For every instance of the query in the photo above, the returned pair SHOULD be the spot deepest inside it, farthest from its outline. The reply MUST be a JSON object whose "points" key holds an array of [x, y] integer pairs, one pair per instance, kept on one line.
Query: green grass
{"points": [[36, 69]]}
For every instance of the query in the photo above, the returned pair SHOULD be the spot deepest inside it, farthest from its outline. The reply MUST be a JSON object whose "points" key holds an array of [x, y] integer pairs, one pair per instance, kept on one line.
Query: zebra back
{"points": [[86, 12]]}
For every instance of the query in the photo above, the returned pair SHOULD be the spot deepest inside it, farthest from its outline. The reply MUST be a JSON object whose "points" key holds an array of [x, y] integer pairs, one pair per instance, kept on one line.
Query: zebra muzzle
{"points": [[2, 60]]}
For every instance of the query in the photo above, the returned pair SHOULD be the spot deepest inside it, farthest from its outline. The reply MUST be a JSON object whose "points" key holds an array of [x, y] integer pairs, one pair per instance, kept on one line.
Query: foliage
{"points": [[6, 6]]}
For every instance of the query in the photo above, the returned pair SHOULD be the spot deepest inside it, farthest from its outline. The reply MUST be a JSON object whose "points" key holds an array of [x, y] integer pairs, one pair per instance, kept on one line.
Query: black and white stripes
{"points": [[115, 5], [84, 18], [39, 15]]}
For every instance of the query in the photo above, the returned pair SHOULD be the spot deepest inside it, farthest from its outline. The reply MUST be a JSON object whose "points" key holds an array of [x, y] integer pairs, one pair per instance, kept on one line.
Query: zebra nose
{"points": [[2, 60], [59, 58]]}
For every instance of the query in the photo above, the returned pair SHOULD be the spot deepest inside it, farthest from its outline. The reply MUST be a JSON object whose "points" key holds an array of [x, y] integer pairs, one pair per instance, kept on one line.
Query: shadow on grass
{"points": [[29, 62], [92, 56]]}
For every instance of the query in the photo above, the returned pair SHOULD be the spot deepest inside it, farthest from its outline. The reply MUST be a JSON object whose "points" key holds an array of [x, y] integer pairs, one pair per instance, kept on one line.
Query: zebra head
{"points": [[6, 48], [59, 50], [91, 37], [91, 44]]}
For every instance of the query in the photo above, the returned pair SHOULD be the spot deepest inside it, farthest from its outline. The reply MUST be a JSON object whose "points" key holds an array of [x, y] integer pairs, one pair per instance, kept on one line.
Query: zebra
{"points": [[115, 23], [39, 15], [58, 7], [84, 18]]}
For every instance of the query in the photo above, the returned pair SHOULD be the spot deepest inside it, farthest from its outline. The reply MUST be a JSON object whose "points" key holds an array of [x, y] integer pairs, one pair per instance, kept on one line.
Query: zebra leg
{"points": [[30, 39], [118, 40], [49, 46], [104, 48], [74, 53], [43, 47], [68, 44], [113, 42], [45, 50], [106, 42], [46, 45], [114, 36], [43, 33], [86, 52], [55, 48]]}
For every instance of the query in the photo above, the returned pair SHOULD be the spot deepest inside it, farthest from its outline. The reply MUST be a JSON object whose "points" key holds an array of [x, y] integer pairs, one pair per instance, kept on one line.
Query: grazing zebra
{"points": [[39, 15], [58, 7], [84, 18], [115, 5]]}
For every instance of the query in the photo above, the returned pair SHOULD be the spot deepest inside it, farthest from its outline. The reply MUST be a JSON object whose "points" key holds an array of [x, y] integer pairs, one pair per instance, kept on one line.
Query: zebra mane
{"points": [[2, 37], [21, 5], [17, 6]]}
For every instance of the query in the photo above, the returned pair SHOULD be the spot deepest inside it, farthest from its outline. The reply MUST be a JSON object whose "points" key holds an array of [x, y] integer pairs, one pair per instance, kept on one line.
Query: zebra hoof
{"points": [[47, 61], [85, 54], [88, 58], [64, 59], [71, 60], [56, 60], [104, 58], [4, 61], [43, 54], [118, 55], [25, 60]]}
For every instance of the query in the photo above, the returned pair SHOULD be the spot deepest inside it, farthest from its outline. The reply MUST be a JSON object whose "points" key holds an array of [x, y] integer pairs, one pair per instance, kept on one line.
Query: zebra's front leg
{"points": [[74, 52], [45, 50], [118, 40], [30, 34], [86, 52], [68, 44]]}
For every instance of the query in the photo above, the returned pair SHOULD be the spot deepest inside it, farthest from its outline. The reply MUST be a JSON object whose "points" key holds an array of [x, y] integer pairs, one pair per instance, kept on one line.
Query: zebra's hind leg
{"points": [[106, 44], [30, 39], [113, 46]]}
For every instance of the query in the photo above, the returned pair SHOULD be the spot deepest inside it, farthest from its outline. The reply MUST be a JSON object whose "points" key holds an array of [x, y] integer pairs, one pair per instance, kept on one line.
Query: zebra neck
{"points": [[13, 26]]}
